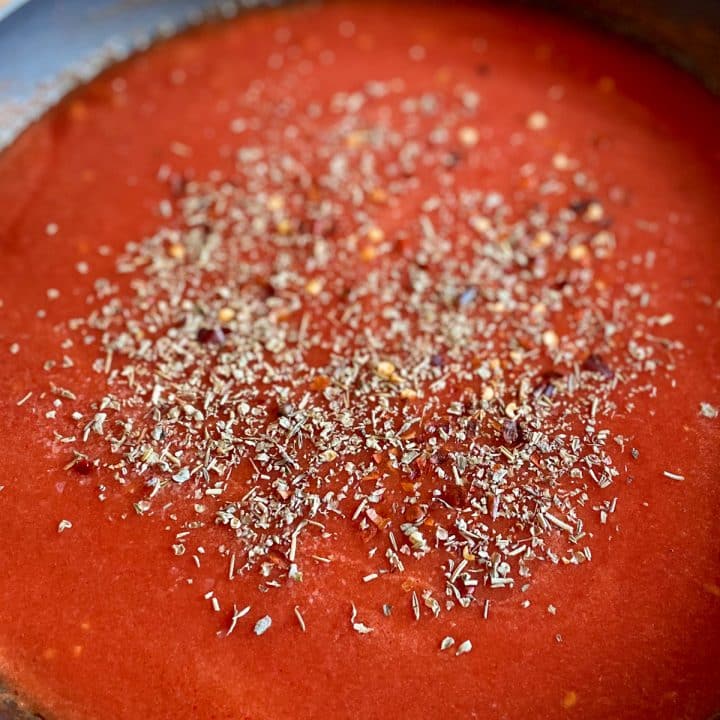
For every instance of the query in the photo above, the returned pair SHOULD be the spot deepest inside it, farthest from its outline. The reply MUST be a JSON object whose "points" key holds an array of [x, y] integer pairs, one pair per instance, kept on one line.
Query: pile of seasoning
{"points": [[346, 322]]}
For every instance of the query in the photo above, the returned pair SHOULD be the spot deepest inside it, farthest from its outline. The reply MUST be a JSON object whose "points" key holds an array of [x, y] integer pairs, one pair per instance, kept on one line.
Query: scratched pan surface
{"points": [[78, 38]]}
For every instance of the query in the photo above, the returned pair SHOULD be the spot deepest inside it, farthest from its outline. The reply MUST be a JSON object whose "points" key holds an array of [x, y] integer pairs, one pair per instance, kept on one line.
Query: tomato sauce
{"points": [[100, 620]]}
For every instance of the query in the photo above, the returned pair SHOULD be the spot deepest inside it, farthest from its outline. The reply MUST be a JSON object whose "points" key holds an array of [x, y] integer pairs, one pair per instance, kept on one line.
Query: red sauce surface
{"points": [[100, 622]]}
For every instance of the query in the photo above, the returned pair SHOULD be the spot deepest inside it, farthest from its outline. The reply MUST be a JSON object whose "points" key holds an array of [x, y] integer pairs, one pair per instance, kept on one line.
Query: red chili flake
{"points": [[376, 519], [594, 363], [319, 383], [278, 559], [439, 457], [413, 513], [580, 206], [325, 227], [82, 467], [455, 495], [203, 335], [211, 335], [452, 159], [546, 386], [512, 432], [368, 532], [206, 228], [261, 288], [322, 227]]}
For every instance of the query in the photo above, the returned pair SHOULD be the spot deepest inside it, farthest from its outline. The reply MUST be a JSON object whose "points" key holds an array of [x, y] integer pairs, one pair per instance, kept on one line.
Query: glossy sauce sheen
{"points": [[98, 622]]}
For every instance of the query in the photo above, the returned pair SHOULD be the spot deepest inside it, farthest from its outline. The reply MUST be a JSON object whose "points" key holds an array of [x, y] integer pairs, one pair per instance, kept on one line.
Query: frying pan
{"points": [[79, 38]]}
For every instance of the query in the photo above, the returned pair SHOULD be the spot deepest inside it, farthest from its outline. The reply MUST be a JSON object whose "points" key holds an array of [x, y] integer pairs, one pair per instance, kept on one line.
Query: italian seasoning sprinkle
{"points": [[24, 399], [447, 642], [263, 625], [464, 647], [300, 618], [358, 627], [709, 411], [290, 350], [237, 615]]}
